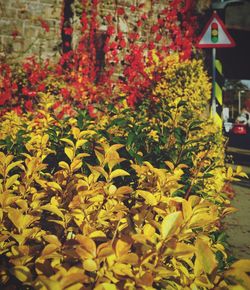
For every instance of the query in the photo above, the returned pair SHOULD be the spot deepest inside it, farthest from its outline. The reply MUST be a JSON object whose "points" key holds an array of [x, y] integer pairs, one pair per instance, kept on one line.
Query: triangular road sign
{"points": [[215, 34]]}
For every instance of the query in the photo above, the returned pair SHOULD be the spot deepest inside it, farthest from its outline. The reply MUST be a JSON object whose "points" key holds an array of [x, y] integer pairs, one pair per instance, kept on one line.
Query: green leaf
{"points": [[118, 122], [130, 139]]}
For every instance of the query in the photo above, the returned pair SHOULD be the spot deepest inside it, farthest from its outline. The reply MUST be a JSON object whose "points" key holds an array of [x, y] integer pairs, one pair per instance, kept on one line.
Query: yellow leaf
{"points": [[97, 170], [105, 286], [49, 283], [242, 265], [205, 256], [118, 172], [11, 180], [186, 209], [229, 210], [97, 199], [229, 172], [122, 247], [2, 157], [86, 133], [115, 147], [53, 209], [97, 234], [8, 159], [243, 174], [123, 190], [171, 223], [139, 238], [16, 218], [72, 279], [87, 247], [52, 239], [148, 196], [130, 258], [81, 155], [149, 230], [23, 204], [22, 273], [112, 189], [202, 219], [54, 185], [12, 165], [75, 165], [238, 169], [169, 164], [99, 156], [146, 281], [69, 152], [104, 250], [49, 249], [203, 282], [239, 277], [81, 142], [149, 165], [45, 139], [123, 269], [90, 265], [64, 165], [28, 220], [76, 132], [181, 249], [68, 141]]}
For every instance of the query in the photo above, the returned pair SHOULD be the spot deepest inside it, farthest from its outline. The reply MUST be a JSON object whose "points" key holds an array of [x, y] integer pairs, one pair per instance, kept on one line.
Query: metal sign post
{"points": [[213, 105], [215, 35]]}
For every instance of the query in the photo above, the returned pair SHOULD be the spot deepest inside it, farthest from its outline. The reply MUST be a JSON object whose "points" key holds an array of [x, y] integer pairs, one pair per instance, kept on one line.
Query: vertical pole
{"points": [[239, 102], [213, 108]]}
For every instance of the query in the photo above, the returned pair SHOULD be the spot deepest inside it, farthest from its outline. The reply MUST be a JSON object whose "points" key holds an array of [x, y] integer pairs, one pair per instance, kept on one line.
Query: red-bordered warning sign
{"points": [[215, 34]]}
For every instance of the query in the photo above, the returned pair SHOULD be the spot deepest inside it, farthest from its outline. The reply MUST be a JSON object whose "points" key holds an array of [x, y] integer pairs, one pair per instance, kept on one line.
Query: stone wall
{"points": [[29, 27], [23, 24]]}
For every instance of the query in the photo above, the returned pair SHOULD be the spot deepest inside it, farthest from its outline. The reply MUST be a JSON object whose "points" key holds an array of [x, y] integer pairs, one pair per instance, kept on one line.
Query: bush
{"points": [[114, 197]]}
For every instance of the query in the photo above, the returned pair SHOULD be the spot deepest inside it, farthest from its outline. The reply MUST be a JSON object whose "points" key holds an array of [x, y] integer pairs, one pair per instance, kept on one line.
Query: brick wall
{"points": [[21, 31], [22, 34]]}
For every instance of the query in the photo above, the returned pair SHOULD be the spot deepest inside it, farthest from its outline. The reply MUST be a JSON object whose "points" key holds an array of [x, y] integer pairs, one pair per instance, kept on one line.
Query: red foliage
{"points": [[5, 83], [120, 11], [92, 111], [82, 70], [44, 24]]}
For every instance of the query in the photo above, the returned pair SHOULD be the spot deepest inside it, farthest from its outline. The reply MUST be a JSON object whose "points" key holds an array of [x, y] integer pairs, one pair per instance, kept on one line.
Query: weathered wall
{"points": [[22, 30], [22, 34]]}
